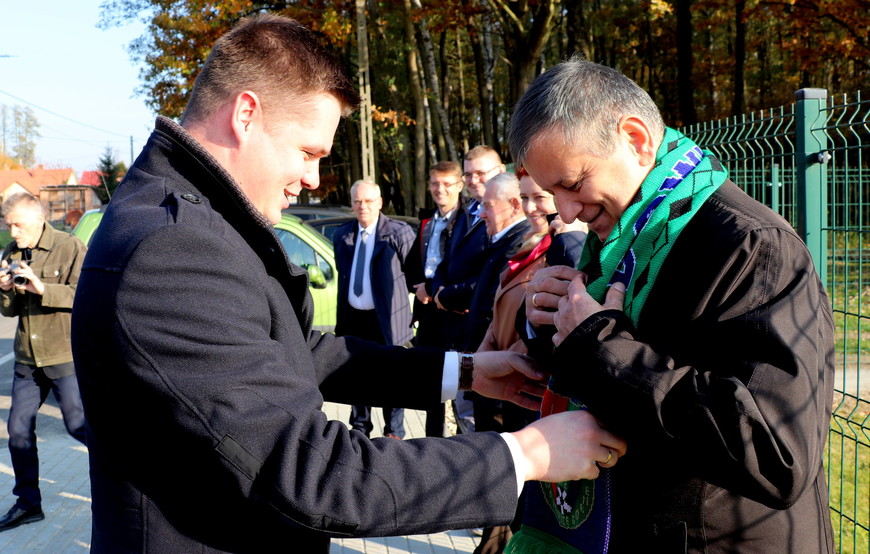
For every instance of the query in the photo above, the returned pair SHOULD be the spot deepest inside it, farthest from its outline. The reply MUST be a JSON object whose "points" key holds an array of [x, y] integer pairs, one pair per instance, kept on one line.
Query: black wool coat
{"points": [[202, 384]]}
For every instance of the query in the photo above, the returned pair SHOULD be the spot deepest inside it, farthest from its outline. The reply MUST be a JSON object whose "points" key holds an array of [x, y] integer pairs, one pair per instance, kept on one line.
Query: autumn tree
{"points": [[445, 74]]}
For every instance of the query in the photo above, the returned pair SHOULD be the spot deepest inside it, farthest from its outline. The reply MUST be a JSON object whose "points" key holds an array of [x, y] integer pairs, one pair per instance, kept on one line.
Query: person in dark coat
{"points": [[505, 225], [696, 327], [435, 327], [201, 378], [372, 293], [466, 253]]}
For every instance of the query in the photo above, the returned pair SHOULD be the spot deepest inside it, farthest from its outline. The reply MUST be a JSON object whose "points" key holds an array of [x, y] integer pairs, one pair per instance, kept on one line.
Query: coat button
{"points": [[192, 198]]}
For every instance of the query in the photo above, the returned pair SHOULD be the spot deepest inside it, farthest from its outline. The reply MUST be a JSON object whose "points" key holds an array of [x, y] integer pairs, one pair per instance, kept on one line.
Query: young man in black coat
{"points": [[201, 378]]}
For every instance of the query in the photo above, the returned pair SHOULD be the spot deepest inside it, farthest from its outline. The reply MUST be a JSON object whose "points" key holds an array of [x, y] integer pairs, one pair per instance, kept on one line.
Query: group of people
{"points": [[677, 377]]}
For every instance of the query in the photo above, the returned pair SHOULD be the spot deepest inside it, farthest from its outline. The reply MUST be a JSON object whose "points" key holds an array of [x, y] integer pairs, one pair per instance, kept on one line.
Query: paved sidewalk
{"points": [[66, 492]]}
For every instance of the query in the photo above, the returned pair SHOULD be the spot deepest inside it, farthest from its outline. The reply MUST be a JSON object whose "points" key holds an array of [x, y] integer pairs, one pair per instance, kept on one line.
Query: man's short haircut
{"points": [[277, 58], [482, 150], [505, 186], [21, 200], [356, 185], [447, 168], [583, 100]]}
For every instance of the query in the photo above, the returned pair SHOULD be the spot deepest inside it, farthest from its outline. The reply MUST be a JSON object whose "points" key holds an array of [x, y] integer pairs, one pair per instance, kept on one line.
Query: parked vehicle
{"points": [[313, 212], [327, 225], [305, 248]]}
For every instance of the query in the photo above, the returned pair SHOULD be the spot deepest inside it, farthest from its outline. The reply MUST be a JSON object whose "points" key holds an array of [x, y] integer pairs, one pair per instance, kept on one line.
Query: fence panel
{"points": [[810, 161]]}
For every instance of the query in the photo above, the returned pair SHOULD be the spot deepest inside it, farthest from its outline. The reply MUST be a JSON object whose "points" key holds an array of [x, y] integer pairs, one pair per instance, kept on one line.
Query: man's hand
{"points": [[33, 284], [508, 376], [6, 277], [568, 446], [577, 305], [545, 290], [421, 294]]}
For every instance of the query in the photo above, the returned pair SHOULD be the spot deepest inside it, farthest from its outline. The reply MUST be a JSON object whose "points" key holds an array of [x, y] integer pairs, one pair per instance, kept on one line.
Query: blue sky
{"points": [[78, 79]]}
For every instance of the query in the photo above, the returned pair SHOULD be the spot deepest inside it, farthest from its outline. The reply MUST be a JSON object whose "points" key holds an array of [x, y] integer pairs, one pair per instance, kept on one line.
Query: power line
{"points": [[62, 116]]}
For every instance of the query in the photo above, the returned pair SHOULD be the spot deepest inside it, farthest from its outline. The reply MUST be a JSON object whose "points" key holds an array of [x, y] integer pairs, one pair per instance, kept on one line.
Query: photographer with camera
{"points": [[39, 271]]}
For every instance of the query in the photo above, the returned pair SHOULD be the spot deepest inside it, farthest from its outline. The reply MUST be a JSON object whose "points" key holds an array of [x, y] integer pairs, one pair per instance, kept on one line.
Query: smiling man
{"points": [[371, 254], [202, 379], [696, 328]]}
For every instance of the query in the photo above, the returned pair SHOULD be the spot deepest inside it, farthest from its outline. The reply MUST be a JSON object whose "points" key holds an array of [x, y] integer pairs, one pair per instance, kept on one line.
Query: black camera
{"points": [[17, 280]]}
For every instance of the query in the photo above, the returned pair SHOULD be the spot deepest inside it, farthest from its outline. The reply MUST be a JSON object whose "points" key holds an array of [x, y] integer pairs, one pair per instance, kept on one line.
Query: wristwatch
{"points": [[466, 370]]}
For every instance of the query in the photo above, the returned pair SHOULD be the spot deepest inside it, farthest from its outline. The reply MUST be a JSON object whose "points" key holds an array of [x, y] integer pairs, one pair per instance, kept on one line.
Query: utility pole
{"points": [[365, 116]]}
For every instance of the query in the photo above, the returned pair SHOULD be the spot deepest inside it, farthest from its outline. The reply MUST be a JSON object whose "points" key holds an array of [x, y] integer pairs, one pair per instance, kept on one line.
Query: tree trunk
{"points": [[421, 172], [398, 156], [685, 87], [434, 85], [463, 119], [737, 105]]}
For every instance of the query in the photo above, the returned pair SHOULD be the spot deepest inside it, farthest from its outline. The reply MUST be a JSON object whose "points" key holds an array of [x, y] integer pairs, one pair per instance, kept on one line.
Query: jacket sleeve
{"points": [[7, 298], [213, 365], [60, 273], [566, 248], [738, 391]]}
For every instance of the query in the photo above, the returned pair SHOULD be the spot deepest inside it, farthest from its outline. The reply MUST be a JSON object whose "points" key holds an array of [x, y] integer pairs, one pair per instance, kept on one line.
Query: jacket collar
{"points": [[226, 189]]}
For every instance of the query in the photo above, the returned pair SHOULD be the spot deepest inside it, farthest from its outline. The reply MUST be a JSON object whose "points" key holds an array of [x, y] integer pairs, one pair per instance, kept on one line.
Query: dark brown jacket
{"points": [[43, 335], [723, 391]]}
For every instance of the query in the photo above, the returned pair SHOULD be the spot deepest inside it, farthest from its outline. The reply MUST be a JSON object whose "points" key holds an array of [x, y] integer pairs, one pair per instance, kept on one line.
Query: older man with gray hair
{"points": [[696, 328], [371, 255], [505, 227], [39, 272]]}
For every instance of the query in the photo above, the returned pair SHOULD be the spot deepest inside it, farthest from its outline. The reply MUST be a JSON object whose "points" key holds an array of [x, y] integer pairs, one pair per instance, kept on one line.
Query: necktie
{"points": [[360, 265]]}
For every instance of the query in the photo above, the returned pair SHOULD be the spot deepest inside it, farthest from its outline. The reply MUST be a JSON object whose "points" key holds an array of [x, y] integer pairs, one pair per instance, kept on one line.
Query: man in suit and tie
{"points": [[456, 278], [435, 327], [506, 227], [371, 255]]}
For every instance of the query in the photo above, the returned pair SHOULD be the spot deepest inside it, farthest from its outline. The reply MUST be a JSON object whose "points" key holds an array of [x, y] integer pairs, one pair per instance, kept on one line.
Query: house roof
{"points": [[34, 179], [91, 178]]}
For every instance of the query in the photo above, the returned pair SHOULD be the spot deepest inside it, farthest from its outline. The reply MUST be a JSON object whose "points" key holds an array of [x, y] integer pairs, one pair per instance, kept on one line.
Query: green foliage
{"points": [[111, 172]]}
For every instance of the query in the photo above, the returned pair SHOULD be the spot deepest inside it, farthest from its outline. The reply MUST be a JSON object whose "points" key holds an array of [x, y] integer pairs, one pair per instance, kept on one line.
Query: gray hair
{"points": [[505, 185], [356, 185], [25, 199], [584, 100]]}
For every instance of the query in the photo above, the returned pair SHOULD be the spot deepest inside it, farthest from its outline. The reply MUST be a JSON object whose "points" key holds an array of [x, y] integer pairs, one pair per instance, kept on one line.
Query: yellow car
{"points": [[305, 248]]}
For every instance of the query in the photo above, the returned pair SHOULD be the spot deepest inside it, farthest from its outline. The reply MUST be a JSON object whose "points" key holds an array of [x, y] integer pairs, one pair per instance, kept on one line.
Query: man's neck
{"points": [[444, 212]]}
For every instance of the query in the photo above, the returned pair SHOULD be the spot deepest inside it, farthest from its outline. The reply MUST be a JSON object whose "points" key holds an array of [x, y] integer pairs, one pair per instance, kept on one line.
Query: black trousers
{"points": [[364, 324], [30, 388]]}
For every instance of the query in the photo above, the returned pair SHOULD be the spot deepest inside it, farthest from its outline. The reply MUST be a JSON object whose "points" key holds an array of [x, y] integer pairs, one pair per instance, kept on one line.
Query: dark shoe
{"points": [[19, 516]]}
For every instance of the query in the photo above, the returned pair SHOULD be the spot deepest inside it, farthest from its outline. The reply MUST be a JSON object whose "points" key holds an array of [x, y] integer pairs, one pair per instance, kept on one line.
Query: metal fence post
{"points": [[811, 158]]}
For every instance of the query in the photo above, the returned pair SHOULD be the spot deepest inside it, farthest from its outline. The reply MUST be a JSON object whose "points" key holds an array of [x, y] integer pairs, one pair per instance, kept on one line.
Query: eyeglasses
{"points": [[479, 174], [437, 184], [366, 201]]}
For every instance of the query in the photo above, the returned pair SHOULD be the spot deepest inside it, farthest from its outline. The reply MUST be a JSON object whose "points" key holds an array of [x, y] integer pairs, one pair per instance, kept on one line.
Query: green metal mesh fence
{"points": [[810, 161]]}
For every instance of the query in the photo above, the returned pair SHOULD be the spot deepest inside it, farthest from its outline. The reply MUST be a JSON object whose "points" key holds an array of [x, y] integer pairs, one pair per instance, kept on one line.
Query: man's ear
{"points": [[247, 113], [639, 138], [516, 204]]}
